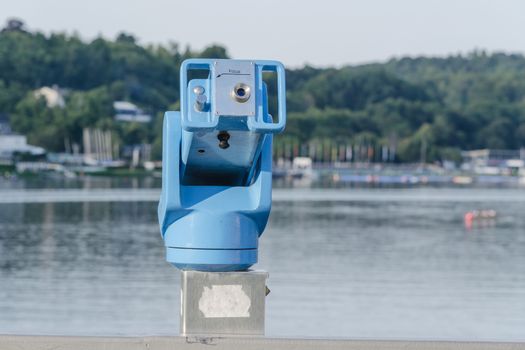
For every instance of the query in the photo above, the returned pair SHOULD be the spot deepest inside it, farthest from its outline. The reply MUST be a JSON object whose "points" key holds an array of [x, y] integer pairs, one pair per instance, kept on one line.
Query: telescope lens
{"points": [[241, 92]]}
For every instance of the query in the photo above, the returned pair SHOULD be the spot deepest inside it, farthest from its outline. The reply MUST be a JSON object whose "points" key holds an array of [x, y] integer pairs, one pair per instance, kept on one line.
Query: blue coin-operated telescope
{"points": [[217, 164]]}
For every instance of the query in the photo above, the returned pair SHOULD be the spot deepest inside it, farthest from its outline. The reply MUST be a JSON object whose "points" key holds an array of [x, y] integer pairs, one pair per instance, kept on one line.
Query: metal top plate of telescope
{"points": [[229, 73]]}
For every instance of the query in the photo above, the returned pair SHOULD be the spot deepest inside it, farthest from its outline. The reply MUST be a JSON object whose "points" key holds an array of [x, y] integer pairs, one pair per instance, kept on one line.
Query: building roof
{"points": [[493, 153], [52, 95], [124, 105], [128, 112]]}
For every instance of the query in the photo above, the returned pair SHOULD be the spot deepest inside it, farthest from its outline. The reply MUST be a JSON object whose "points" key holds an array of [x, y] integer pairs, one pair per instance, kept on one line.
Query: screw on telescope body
{"points": [[198, 90], [200, 103], [223, 138]]}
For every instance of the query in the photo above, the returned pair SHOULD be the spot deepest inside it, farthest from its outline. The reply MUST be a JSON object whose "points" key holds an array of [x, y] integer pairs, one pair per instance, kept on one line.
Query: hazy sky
{"points": [[318, 32]]}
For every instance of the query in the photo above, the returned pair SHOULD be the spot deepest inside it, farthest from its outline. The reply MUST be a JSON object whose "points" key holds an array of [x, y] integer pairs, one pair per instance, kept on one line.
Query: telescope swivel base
{"points": [[211, 260]]}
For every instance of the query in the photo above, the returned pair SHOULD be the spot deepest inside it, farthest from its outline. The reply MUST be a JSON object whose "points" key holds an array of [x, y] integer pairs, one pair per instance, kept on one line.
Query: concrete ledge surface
{"points": [[15, 342]]}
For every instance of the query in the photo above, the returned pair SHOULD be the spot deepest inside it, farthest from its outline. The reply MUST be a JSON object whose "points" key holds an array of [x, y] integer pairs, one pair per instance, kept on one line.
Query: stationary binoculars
{"points": [[217, 163]]}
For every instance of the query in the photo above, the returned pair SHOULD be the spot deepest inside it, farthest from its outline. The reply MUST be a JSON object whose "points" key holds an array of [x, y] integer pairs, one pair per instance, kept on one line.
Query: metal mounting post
{"points": [[223, 303]]}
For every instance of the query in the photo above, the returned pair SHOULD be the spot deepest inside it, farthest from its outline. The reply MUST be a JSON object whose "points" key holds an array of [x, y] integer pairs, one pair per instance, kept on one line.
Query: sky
{"points": [[315, 32]]}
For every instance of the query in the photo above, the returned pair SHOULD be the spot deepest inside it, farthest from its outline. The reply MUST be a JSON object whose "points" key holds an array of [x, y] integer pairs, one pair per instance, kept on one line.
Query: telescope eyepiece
{"points": [[241, 92]]}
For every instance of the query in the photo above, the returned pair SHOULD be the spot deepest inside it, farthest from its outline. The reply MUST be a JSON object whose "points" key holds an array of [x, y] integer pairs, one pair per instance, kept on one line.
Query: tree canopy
{"points": [[448, 104]]}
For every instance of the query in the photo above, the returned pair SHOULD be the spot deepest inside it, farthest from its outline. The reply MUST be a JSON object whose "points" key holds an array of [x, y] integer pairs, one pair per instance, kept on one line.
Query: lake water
{"points": [[352, 263]]}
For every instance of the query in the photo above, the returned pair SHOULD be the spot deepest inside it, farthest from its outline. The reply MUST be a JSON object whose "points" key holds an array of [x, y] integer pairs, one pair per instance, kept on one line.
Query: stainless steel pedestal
{"points": [[223, 303]]}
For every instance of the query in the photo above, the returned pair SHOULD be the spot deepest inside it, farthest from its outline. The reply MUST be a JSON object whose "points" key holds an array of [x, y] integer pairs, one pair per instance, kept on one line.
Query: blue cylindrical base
{"points": [[205, 229], [211, 260]]}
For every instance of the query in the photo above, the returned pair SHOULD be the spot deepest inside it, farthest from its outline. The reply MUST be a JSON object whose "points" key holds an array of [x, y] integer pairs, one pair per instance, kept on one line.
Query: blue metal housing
{"points": [[215, 202]]}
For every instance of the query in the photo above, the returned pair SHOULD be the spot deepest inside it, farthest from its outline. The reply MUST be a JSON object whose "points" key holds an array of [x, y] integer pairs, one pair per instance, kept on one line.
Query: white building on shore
{"points": [[494, 161], [12, 144], [128, 112]]}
